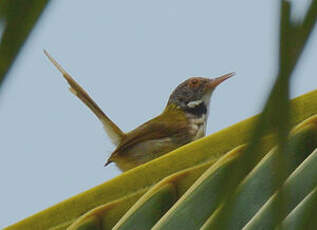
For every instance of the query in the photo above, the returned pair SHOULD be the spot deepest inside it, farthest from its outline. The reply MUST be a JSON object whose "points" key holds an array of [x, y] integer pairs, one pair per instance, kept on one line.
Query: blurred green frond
{"points": [[18, 18]]}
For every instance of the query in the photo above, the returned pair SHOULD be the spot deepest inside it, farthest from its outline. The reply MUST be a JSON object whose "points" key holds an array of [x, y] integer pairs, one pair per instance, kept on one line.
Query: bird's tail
{"points": [[113, 131]]}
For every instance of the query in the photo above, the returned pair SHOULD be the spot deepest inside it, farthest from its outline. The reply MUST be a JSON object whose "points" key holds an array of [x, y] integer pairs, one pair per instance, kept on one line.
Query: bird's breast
{"points": [[197, 126]]}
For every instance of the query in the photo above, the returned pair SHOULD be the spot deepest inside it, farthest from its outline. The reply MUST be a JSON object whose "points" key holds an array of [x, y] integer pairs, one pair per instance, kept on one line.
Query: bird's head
{"points": [[193, 95]]}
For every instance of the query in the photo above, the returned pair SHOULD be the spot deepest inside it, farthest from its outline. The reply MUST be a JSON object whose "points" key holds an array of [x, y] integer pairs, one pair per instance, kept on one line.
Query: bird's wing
{"points": [[156, 128], [113, 131]]}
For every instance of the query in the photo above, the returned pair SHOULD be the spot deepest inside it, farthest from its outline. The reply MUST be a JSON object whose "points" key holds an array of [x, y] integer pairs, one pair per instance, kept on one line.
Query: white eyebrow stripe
{"points": [[193, 104]]}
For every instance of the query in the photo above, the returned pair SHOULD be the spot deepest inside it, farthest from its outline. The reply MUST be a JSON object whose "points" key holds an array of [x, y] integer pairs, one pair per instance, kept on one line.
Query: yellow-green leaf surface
{"points": [[296, 188], [124, 223], [105, 215], [146, 216], [303, 216], [262, 181], [197, 203], [142, 178], [181, 181]]}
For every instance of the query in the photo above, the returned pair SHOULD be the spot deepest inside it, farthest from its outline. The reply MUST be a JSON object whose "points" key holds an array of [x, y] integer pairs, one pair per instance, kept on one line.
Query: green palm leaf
{"points": [[110, 201], [304, 215], [259, 185], [18, 18], [296, 188]]}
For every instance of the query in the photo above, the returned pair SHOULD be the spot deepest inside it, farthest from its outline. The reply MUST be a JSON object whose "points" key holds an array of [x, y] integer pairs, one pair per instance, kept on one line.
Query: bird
{"points": [[183, 120]]}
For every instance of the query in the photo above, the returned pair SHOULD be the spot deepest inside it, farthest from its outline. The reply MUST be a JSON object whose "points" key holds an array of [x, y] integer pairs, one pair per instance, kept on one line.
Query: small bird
{"points": [[183, 120]]}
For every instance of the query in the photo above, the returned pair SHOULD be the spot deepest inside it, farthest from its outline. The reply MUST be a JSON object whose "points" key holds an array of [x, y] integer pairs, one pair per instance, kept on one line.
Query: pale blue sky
{"points": [[129, 55]]}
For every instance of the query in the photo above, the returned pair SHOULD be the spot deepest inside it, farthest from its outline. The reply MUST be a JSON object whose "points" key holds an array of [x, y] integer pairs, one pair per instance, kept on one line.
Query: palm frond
{"points": [[18, 18]]}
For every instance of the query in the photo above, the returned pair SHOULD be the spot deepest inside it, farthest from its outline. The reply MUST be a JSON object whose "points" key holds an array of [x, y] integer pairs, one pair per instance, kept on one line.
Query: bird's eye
{"points": [[193, 83]]}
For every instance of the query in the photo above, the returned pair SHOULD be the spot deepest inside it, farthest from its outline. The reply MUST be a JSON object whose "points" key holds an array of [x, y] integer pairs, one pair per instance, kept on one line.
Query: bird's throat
{"points": [[197, 117], [198, 110]]}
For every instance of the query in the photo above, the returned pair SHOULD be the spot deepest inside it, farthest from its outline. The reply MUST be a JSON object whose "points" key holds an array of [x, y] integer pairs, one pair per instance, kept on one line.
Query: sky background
{"points": [[129, 56]]}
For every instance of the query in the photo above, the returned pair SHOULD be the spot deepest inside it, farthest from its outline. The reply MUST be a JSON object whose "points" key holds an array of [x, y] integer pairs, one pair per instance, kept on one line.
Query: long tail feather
{"points": [[113, 131]]}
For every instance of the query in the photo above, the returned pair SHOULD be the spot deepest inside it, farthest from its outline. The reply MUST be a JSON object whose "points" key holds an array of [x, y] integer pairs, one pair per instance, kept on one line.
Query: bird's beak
{"points": [[216, 81]]}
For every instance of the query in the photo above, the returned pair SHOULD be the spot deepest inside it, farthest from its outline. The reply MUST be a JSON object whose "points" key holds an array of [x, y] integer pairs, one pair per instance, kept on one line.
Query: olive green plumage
{"points": [[183, 120]]}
